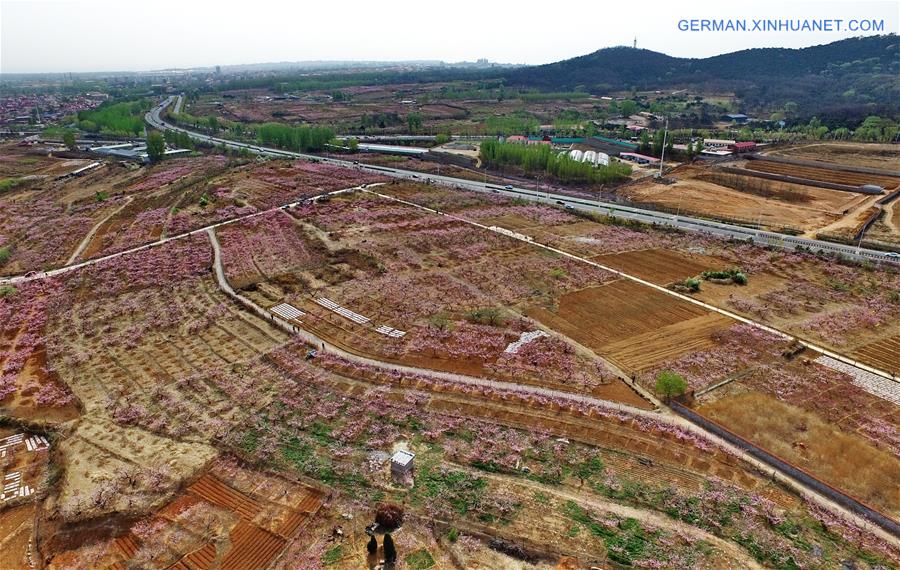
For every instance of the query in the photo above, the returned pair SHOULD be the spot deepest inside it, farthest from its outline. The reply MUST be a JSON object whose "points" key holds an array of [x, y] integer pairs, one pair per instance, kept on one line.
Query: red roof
{"points": [[742, 145]]}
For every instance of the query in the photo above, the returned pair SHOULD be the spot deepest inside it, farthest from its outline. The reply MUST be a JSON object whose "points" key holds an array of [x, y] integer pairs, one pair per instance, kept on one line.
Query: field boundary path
{"points": [[660, 416], [90, 235]]}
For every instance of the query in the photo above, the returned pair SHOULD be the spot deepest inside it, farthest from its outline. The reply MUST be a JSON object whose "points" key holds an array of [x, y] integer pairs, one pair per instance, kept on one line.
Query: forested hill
{"points": [[853, 73]]}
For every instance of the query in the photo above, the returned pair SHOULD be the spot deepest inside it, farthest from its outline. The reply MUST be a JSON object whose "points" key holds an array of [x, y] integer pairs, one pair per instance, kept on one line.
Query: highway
{"points": [[686, 223]]}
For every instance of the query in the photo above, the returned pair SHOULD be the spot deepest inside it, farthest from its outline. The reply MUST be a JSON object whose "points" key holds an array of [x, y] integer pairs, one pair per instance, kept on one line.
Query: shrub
{"points": [[8, 183], [389, 516], [693, 284], [420, 560], [453, 535], [332, 555], [557, 273], [486, 316], [5, 254], [441, 322], [6, 291], [101, 196], [734, 274]]}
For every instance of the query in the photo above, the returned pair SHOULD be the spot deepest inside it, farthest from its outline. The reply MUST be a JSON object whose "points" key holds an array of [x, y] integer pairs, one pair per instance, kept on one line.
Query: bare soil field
{"points": [[616, 310], [16, 528], [631, 325], [806, 440], [887, 228], [660, 266], [872, 155], [646, 350], [773, 204], [825, 175], [884, 353]]}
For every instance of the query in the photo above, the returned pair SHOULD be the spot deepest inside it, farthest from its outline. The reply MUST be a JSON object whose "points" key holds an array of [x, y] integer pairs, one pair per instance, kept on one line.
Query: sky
{"points": [[140, 35]]}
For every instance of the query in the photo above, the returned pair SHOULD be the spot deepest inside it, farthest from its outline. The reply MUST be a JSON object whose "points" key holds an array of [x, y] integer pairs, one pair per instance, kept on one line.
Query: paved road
{"points": [[662, 416], [686, 223], [179, 101]]}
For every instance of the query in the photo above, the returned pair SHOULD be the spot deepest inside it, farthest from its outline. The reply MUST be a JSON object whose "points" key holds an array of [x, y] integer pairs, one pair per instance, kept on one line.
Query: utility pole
{"points": [[662, 155]]}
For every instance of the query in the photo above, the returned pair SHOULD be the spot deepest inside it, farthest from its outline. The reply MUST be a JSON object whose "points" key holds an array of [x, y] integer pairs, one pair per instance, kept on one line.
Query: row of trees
{"points": [[540, 158], [125, 118], [304, 139]]}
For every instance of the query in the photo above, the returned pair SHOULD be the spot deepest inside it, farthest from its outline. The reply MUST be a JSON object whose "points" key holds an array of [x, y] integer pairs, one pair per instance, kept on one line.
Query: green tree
{"points": [[414, 121], [156, 146], [645, 141], [69, 139], [657, 143], [628, 108], [442, 138], [390, 551], [353, 144], [670, 384]]}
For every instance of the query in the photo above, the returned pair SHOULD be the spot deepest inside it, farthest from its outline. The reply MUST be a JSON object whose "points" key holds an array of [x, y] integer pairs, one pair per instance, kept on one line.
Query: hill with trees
{"points": [[856, 76]]}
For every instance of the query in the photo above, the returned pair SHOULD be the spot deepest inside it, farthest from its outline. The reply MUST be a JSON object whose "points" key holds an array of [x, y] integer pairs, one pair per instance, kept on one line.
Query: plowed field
{"points": [[884, 354], [824, 174], [661, 266]]}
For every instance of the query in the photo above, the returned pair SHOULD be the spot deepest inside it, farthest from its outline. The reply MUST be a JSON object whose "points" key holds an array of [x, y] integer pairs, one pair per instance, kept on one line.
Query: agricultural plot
{"points": [[392, 282], [884, 353], [836, 175], [745, 199], [870, 155], [614, 319], [253, 513], [44, 222], [660, 266], [170, 375]]}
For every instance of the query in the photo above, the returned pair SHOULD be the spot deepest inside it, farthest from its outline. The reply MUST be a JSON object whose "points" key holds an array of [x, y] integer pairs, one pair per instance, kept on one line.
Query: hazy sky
{"points": [[107, 35]]}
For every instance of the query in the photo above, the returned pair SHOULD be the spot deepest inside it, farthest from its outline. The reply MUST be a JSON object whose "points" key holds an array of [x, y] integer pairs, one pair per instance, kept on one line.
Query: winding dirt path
{"points": [[90, 235]]}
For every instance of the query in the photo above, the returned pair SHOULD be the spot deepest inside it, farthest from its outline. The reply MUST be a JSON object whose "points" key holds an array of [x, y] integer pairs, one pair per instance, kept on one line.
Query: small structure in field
{"points": [[748, 146], [402, 464]]}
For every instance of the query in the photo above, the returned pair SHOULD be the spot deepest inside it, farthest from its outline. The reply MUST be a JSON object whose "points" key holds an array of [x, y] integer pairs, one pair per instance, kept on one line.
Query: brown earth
{"points": [[883, 354], [660, 266], [612, 319], [16, 527], [841, 459], [597, 316], [644, 351], [744, 199], [824, 175], [870, 155]]}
